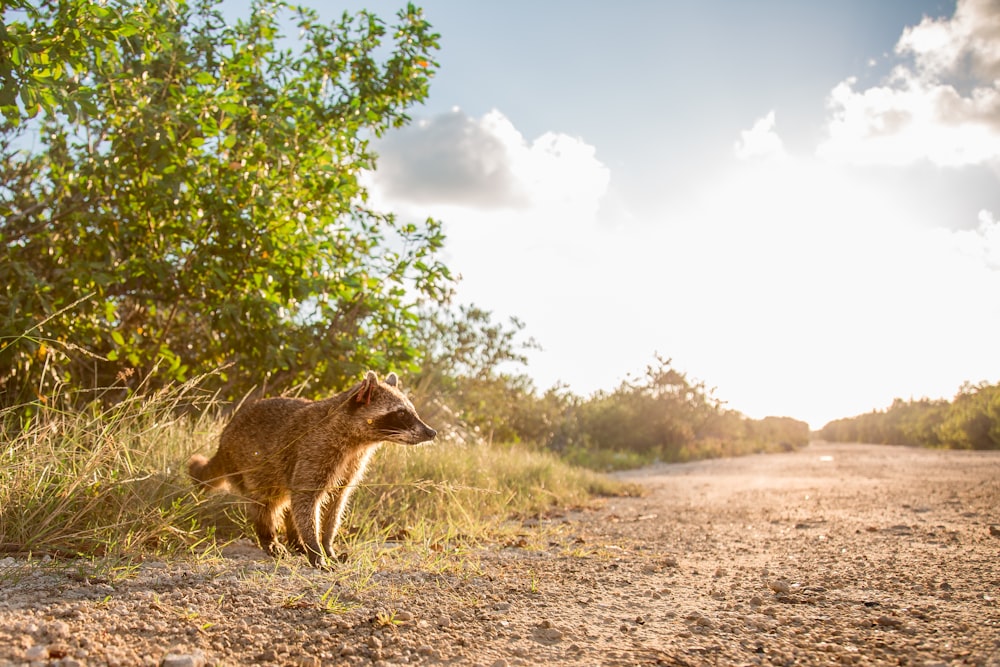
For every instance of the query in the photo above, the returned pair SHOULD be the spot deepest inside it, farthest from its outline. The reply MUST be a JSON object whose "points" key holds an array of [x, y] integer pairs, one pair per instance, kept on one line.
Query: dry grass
{"points": [[110, 482]]}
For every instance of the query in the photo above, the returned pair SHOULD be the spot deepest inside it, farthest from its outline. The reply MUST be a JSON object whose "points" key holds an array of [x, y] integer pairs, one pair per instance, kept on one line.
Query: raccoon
{"points": [[301, 460]]}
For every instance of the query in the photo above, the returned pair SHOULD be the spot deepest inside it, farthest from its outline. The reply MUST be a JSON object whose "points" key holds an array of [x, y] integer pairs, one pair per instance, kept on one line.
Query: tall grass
{"points": [[462, 488], [112, 482], [102, 481]]}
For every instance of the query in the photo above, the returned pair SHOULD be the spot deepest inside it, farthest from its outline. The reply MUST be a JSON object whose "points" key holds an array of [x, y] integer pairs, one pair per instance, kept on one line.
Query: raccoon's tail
{"points": [[210, 474]]}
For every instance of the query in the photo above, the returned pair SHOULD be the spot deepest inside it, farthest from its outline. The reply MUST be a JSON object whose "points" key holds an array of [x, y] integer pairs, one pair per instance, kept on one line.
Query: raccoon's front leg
{"points": [[306, 506], [350, 477]]}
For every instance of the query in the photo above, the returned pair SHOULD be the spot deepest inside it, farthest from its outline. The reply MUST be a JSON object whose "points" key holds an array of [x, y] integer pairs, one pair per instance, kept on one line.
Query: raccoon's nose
{"points": [[431, 433]]}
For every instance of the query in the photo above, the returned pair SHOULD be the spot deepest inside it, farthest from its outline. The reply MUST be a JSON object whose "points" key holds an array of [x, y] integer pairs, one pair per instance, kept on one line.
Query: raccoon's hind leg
{"points": [[264, 514], [211, 473], [292, 539]]}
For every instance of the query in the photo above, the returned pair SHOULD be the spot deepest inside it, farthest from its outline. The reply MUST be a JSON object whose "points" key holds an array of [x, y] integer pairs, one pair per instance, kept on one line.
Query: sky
{"points": [[796, 202]]}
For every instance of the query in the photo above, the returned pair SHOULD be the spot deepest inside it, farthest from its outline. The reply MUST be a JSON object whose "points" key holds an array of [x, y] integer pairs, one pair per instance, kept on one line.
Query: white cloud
{"points": [[966, 44], [450, 158], [981, 245], [943, 107], [760, 141], [486, 164]]}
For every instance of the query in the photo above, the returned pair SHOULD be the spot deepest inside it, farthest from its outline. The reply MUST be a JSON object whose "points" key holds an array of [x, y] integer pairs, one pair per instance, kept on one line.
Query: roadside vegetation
{"points": [[112, 482], [969, 421]]}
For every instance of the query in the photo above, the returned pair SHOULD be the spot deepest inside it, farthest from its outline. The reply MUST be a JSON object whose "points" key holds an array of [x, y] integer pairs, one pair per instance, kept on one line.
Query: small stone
{"points": [[195, 659], [547, 633], [36, 652], [444, 622], [429, 652], [404, 616], [888, 622], [779, 586], [58, 629]]}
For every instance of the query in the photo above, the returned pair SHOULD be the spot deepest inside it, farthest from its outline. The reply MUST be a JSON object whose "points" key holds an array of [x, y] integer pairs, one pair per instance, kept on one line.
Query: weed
{"points": [[387, 619], [332, 604]]}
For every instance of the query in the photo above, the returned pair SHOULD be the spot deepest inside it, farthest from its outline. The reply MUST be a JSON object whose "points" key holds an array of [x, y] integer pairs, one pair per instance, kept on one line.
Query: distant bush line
{"points": [[662, 416], [970, 421]]}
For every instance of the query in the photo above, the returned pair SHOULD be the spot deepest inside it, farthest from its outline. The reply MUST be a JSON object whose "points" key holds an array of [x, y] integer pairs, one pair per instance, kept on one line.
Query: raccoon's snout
{"points": [[419, 434]]}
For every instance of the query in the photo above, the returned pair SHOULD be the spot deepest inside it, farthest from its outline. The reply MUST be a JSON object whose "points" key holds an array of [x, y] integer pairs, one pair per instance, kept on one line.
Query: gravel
{"points": [[836, 554]]}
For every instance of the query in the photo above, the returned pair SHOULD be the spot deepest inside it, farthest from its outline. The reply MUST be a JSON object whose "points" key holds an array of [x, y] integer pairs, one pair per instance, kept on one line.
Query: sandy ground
{"points": [[837, 554]]}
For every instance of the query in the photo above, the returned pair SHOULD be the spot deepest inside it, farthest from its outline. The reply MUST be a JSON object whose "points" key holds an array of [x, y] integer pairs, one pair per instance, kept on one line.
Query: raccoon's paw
{"points": [[327, 561], [276, 549], [294, 547]]}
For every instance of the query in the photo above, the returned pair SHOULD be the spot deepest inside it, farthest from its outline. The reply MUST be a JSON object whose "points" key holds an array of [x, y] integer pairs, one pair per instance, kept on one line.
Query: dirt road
{"points": [[837, 554]]}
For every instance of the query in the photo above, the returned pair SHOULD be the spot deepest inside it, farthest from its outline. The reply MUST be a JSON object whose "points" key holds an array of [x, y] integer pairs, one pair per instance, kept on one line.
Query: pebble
{"points": [[779, 586], [704, 621], [36, 652], [195, 659], [58, 629], [547, 633]]}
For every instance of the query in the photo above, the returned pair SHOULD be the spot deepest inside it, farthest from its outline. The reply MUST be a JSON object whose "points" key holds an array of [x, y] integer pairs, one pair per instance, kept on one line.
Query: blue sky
{"points": [[796, 201]]}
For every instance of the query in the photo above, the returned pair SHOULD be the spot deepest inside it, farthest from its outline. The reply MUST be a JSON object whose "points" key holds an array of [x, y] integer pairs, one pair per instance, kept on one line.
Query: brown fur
{"points": [[303, 459]]}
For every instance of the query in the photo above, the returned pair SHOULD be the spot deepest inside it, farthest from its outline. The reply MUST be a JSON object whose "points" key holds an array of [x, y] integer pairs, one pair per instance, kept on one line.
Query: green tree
{"points": [[472, 365], [193, 198], [973, 419], [654, 416]]}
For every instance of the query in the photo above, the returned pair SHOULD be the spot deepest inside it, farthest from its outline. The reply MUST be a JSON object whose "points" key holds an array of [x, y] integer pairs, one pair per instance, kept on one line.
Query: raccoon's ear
{"points": [[367, 388], [392, 380]]}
